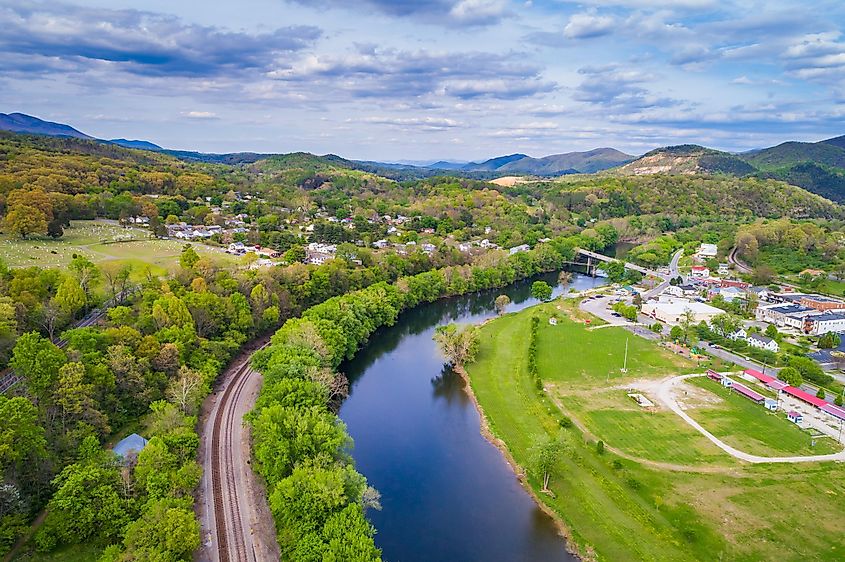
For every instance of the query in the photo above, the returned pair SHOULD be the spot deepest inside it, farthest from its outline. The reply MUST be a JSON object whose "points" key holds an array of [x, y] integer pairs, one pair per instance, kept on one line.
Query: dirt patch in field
{"points": [[508, 181], [689, 396]]}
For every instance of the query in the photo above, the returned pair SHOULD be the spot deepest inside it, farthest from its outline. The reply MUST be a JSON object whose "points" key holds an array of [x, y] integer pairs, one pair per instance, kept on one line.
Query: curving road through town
{"points": [[236, 522]]}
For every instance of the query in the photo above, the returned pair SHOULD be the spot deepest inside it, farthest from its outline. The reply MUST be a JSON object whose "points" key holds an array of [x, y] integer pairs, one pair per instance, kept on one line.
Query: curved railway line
{"points": [[232, 513]]}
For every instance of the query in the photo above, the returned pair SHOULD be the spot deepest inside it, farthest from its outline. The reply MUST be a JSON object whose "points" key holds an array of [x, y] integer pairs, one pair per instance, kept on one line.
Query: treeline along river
{"points": [[447, 493]]}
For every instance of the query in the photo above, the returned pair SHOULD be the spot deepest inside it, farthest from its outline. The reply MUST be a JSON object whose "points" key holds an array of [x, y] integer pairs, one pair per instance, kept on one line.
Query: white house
{"points": [[520, 248], [708, 251], [380, 243], [740, 334], [762, 342], [699, 271], [723, 269], [674, 290]]}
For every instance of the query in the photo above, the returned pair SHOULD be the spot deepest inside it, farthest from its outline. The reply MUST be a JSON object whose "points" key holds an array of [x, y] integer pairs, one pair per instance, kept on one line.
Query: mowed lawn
{"points": [[741, 423], [624, 510], [98, 241], [571, 353], [594, 499]]}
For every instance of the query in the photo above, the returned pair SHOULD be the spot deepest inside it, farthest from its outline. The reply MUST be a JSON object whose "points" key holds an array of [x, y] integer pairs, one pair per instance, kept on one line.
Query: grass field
{"points": [[751, 428], [97, 241], [617, 509]]}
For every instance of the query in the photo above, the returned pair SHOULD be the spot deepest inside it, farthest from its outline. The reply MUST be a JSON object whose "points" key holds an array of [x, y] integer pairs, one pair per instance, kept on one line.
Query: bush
{"points": [[600, 447]]}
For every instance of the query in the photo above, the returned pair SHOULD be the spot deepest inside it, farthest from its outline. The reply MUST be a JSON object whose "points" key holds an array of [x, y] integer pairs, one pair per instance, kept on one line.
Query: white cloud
{"points": [[200, 114], [587, 25]]}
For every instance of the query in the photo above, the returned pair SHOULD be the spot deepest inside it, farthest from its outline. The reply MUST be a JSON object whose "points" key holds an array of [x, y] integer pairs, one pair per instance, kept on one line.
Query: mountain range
{"points": [[818, 167]]}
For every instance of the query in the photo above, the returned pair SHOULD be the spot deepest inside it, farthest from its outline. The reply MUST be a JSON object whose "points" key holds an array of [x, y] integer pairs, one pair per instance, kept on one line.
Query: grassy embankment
{"points": [[712, 507]]}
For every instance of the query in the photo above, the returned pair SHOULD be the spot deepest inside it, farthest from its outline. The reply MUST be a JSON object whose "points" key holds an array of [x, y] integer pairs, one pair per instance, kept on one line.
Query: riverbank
{"points": [[518, 470], [615, 508]]}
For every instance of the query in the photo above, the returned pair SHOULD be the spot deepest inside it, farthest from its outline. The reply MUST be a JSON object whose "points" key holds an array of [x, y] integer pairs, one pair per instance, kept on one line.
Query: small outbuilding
{"points": [[795, 417], [771, 405], [130, 446], [553, 321]]}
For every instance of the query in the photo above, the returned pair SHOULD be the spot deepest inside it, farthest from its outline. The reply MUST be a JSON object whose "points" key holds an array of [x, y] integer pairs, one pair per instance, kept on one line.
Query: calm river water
{"points": [[447, 494]]}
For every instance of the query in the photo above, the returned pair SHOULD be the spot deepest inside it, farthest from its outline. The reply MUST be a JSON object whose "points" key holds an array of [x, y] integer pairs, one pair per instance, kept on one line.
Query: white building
{"points": [[762, 342], [785, 315], [699, 271], [708, 251], [823, 323], [672, 310], [520, 248]]}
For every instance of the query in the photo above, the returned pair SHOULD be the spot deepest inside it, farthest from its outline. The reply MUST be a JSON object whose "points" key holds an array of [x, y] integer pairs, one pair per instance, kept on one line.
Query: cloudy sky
{"points": [[429, 79]]}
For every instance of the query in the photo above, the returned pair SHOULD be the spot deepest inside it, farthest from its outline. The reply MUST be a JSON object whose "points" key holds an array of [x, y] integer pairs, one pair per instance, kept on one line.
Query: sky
{"points": [[423, 80]]}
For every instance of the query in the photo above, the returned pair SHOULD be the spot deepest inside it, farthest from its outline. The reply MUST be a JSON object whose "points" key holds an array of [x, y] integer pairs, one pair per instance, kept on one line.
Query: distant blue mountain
{"points": [[22, 123], [139, 144]]}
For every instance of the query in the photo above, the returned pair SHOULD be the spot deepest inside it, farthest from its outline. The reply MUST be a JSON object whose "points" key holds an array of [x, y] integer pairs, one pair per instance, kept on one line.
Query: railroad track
{"points": [[228, 525]]}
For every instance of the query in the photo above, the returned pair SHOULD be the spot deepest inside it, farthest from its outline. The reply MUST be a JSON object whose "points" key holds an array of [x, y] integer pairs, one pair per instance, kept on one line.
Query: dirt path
{"points": [[646, 462], [235, 518], [666, 395]]}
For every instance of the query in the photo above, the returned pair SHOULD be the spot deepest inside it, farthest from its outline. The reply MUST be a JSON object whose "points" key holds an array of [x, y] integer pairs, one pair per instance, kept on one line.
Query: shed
{"points": [[553, 321], [727, 382], [771, 405], [132, 444], [795, 417]]}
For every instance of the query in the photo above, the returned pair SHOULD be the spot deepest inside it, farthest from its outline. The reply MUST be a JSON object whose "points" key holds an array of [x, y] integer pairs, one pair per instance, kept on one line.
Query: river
{"points": [[447, 493]]}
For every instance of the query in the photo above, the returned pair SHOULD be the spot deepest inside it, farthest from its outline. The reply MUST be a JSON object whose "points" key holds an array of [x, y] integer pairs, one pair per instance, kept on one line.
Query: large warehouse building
{"points": [[672, 310]]}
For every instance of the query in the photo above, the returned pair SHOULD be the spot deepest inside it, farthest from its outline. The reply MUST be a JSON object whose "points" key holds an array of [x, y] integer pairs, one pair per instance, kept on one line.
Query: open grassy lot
{"points": [[741, 423], [76, 553], [617, 509], [98, 241]]}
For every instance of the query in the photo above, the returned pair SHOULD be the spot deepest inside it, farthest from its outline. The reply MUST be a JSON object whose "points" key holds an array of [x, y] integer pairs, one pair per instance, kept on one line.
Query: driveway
{"points": [[666, 396]]}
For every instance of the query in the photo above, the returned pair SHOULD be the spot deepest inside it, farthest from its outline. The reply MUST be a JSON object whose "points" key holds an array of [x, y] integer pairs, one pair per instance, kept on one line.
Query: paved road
{"points": [[673, 272], [666, 395], [232, 504]]}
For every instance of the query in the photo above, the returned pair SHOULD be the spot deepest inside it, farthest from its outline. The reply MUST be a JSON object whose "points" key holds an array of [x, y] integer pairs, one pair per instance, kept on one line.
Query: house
{"points": [[731, 293], [734, 283], [795, 417], [762, 342], [465, 247], [129, 446], [380, 244], [724, 269], [740, 334], [823, 323], [700, 271], [428, 248], [672, 310], [812, 273], [518, 249], [674, 290], [708, 251], [236, 248]]}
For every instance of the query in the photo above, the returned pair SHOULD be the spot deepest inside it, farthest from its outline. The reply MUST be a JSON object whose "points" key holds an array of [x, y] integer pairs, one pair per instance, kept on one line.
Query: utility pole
{"points": [[625, 361]]}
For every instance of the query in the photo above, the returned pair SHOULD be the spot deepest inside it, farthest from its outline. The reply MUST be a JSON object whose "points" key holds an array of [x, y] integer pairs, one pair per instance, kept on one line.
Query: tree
{"points": [[37, 360], [86, 273], [839, 400], [791, 376], [564, 277], [23, 220], [167, 531], [676, 333], [70, 297], [296, 254], [458, 344], [830, 340], [772, 332], [687, 325], [545, 454], [20, 433], [189, 257], [55, 229], [502, 301], [725, 324], [821, 393], [762, 275], [541, 290], [117, 276], [186, 390]]}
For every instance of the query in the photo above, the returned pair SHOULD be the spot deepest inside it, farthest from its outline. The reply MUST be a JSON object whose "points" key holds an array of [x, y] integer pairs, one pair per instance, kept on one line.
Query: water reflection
{"points": [[447, 494]]}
